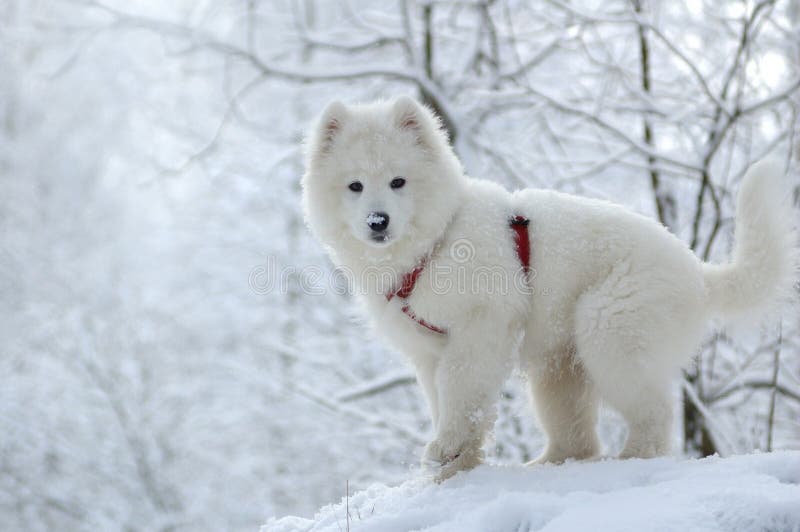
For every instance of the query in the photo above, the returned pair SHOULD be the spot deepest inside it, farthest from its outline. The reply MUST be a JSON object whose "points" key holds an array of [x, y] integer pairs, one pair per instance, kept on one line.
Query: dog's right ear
{"points": [[329, 126]]}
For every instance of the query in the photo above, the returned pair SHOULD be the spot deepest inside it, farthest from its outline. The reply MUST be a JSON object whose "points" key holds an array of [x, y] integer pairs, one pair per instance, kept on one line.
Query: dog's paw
{"points": [[465, 461], [438, 453], [558, 456], [447, 460]]}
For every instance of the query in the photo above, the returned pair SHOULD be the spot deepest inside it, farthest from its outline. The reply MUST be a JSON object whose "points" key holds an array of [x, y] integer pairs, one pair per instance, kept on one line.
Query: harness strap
{"points": [[522, 240], [410, 313], [407, 284], [522, 244]]}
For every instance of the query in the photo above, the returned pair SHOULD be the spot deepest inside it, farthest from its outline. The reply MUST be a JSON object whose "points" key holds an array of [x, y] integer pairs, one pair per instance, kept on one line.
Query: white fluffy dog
{"points": [[611, 307]]}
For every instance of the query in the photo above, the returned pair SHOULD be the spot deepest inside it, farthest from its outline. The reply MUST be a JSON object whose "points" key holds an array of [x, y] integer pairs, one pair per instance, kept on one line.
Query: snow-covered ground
{"points": [[758, 492]]}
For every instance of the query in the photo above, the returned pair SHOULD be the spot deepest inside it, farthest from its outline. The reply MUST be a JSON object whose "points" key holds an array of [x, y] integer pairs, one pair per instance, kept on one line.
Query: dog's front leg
{"points": [[425, 367], [468, 378]]}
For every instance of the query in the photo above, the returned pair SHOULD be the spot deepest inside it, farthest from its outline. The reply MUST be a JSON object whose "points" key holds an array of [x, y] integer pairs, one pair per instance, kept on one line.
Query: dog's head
{"points": [[378, 176]]}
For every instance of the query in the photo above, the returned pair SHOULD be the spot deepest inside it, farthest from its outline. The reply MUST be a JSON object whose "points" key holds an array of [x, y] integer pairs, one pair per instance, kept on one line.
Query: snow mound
{"points": [[759, 492]]}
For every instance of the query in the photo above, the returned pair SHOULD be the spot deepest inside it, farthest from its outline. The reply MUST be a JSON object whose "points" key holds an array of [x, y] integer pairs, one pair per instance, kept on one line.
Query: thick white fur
{"points": [[616, 303]]}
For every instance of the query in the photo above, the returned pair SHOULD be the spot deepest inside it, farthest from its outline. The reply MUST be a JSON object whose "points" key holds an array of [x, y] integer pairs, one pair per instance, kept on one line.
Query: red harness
{"points": [[522, 244]]}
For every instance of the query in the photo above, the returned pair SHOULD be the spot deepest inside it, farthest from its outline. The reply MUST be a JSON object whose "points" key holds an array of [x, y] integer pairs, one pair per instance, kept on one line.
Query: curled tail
{"points": [[764, 266]]}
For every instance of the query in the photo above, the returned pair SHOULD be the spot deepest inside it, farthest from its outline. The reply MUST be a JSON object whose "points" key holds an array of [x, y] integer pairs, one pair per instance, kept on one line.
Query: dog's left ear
{"points": [[411, 116]]}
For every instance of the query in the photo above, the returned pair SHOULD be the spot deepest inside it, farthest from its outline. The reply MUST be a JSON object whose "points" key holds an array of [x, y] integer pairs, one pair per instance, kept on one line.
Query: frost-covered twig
{"points": [[375, 420], [721, 442], [773, 396], [377, 385]]}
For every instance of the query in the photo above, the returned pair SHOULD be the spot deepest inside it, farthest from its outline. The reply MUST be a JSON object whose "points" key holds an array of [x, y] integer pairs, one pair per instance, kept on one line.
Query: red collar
{"points": [[522, 244]]}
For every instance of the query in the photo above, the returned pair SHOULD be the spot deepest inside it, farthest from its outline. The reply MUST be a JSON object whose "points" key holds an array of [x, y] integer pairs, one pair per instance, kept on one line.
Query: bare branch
{"points": [[375, 420], [377, 386]]}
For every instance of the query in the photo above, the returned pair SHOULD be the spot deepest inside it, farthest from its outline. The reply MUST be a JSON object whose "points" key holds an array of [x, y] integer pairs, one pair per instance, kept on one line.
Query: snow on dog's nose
{"points": [[378, 221]]}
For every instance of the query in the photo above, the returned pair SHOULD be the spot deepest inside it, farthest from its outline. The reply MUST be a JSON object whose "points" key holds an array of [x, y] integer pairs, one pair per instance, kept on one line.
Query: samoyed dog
{"points": [[591, 301]]}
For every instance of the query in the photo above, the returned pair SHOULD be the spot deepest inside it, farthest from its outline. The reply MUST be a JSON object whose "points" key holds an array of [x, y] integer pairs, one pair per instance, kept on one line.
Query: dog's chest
{"points": [[472, 281]]}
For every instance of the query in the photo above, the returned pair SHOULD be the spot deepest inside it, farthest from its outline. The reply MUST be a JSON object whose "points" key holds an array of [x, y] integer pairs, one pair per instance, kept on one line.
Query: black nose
{"points": [[378, 221]]}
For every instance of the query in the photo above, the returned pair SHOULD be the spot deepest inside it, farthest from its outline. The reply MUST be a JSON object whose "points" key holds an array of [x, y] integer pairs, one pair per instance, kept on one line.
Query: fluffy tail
{"points": [[764, 266]]}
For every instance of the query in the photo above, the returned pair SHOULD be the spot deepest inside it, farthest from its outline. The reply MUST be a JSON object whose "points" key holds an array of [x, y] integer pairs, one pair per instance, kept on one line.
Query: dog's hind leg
{"points": [[565, 402], [645, 403], [627, 338]]}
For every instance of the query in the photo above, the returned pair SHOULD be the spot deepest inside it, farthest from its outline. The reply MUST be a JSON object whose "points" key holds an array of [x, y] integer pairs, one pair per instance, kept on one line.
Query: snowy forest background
{"points": [[171, 358]]}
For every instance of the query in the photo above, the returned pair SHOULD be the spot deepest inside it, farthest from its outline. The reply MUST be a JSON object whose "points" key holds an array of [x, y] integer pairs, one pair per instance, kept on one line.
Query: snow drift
{"points": [[759, 492]]}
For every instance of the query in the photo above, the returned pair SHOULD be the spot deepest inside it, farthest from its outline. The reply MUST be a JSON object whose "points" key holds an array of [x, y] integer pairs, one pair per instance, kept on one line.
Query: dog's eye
{"points": [[397, 182], [356, 186]]}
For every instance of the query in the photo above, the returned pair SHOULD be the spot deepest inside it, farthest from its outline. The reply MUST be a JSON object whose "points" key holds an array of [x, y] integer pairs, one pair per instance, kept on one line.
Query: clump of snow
{"points": [[758, 492], [375, 218]]}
